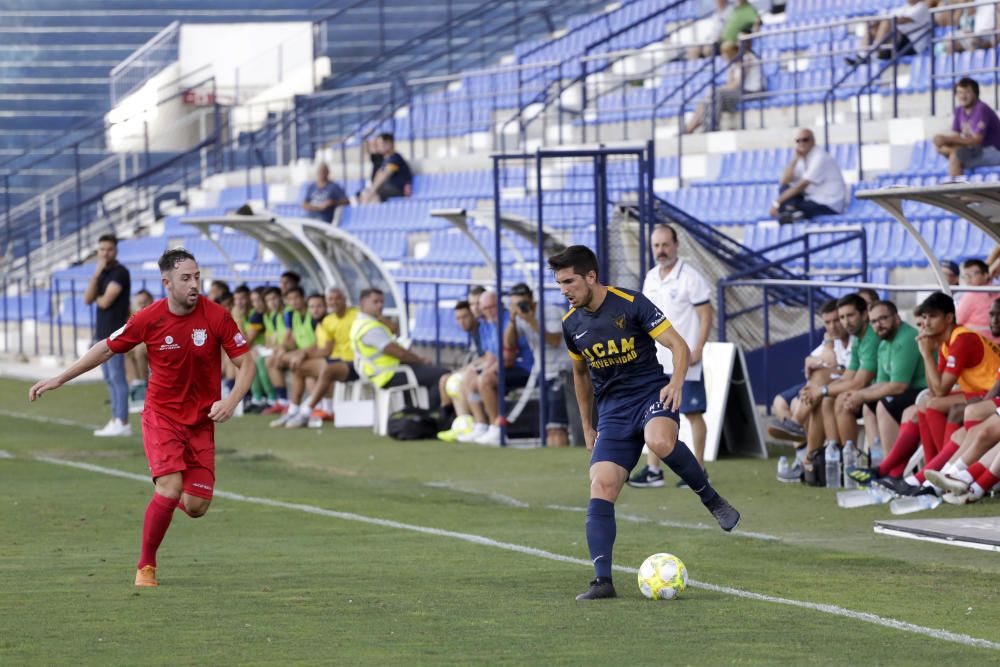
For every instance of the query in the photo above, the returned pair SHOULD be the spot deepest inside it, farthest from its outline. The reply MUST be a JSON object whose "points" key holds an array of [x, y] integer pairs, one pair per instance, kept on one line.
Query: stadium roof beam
{"points": [[324, 255], [977, 203]]}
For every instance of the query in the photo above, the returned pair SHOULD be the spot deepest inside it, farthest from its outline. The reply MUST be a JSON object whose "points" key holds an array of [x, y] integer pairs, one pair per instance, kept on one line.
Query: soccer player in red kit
{"points": [[184, 334]]}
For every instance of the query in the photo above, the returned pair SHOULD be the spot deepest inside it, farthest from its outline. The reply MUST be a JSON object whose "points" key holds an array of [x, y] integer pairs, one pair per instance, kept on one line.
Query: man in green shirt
{"points": [[743, 18], [823, 427], [898, 381]]}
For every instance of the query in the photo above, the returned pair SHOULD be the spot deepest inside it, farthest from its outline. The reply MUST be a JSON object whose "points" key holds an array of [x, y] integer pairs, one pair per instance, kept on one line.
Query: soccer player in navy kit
{"points": [[611, 335]]}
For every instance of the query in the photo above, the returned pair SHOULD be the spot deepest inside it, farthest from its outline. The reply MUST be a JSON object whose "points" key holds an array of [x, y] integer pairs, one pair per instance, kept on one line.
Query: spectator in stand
{"points": [[975, 132], [524, 325], [393, 177], [951, 354], [898, 381], [974, 27], [324, 196], [973, 309], [853, 313], [824, 365], [109, 289], [743, 18], [913, 27], [742, 77], [811, 184], [683, 295], [377, 351], [299, 344], [711, 31]]}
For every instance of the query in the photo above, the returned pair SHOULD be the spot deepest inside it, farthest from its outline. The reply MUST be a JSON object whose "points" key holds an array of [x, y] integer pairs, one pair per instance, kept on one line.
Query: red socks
{"points": [[987, 480], [936, 423], [906, 443], [154, 527]]}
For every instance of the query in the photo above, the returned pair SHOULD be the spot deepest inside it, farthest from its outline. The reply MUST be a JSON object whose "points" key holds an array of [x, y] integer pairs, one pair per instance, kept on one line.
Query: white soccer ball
{"points": [[453, 385], [662, 577]]}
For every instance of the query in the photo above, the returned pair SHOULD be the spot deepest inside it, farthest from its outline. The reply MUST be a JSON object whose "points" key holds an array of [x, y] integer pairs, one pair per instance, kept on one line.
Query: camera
{"points": [[523, 306]]}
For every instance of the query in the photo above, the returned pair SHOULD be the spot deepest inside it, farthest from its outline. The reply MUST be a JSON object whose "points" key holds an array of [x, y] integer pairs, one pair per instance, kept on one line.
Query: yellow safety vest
{"points": [[371, 358]]}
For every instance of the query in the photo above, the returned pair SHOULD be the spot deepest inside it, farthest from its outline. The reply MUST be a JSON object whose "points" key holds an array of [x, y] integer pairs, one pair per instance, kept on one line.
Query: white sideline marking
{"points": [[5, 454], [498, 497], [47, 420], [669, 523], [834, 610]]}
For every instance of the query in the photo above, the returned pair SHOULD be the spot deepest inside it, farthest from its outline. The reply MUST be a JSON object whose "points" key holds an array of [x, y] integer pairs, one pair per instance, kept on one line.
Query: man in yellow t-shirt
{"points": [[333, 339]]}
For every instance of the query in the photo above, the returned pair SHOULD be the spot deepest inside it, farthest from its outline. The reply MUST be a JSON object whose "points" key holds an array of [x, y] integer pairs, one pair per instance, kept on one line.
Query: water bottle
{"points": [[833, 466], [850, 461], [914, 504], [873, 495], [875, 453], [782, 466]]}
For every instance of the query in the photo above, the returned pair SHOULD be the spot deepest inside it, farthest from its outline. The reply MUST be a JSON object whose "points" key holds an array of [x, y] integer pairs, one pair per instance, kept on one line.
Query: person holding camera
{"points": [[524, 325]]}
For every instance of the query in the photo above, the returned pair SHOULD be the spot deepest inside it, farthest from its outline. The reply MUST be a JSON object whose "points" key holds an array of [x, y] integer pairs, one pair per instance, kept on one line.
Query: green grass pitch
{"points": [[256, 584]]}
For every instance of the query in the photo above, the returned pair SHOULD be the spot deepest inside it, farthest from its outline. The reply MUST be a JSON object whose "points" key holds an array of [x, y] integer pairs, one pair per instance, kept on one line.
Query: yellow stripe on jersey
{"points": [[574, 356], [568, 313], [618, 292], [660, 328]]}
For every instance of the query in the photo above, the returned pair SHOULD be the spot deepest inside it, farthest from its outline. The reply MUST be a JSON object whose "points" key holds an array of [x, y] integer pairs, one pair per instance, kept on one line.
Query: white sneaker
{"points": [[490, 437], [295, 421], [114, 429], [281, 421], [959, 498], [947, 482], [471, 435]]}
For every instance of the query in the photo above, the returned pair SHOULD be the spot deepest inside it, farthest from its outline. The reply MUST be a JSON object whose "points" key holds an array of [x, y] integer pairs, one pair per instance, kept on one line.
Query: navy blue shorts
{"points": [[791, 393], [620, 427], [352, 375], [692, 397]]}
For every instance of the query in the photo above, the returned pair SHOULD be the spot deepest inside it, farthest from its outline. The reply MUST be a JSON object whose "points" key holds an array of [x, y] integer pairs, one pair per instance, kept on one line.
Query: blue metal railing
{"points": [[146, 62]]}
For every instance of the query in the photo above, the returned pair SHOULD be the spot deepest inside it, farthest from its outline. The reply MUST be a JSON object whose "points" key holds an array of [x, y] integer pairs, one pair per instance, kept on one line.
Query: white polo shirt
{"points": [[677, 295], [826, 183]]}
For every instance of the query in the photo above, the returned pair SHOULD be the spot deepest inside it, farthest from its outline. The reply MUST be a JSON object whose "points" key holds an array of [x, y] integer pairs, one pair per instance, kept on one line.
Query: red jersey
{"points": [[185, 356]]}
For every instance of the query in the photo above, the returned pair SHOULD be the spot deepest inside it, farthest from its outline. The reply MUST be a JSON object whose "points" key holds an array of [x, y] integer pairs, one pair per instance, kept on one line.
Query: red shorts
{"points": [[172, 447]]}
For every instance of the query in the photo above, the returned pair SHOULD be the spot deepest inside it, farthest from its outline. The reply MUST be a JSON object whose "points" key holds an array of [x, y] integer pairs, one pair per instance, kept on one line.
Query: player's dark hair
{"points": [[521, 289], [872, 295], [387, 136], [853, 300], [298, 290], [272, 290], [665, 227], [579, 258], [144, 292], [291, 275], [316, 295], [463, 305], [970, 83], [368, 291], [938, 303], [830, 306], [109, 238], [222, 285], [242, 289], [886, 304], [171, 258], [476, 290], [977, 263]]}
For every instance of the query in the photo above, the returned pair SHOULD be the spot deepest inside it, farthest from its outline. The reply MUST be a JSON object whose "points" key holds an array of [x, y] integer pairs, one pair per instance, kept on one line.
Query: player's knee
{"points": [[169, 486], [196, 507], [604, 488]]}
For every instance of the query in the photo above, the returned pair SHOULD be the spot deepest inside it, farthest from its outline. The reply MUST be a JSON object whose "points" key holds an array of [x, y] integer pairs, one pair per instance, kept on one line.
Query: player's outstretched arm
{"points": [[670, 395], [93, 358], [223, 409]]}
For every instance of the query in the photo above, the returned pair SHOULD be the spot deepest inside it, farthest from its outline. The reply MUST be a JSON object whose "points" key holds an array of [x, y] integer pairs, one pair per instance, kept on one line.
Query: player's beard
{"points": [[586, 301]]}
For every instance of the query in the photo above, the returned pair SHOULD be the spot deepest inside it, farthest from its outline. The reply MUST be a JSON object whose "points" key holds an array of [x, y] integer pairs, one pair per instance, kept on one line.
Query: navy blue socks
{"points": [[685, 466], [601, 535]]}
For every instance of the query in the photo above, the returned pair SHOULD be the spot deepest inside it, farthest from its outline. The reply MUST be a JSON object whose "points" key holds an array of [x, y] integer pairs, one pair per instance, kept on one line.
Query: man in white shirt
{"points": [[913, 33], [811, 184], [682, 293]]}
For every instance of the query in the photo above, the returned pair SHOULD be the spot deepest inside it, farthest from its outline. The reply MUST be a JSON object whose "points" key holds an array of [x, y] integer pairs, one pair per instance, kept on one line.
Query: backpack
{"points": [[413, 424], [814, 469]]}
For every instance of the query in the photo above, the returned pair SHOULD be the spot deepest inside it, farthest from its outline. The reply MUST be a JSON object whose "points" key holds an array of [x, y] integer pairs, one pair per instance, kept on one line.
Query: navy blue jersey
{"points": [[617, 343]]}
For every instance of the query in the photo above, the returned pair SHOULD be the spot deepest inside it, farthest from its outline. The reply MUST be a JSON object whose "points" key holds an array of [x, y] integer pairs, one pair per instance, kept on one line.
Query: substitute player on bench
{"points": [[610, 334], [184, 334]]}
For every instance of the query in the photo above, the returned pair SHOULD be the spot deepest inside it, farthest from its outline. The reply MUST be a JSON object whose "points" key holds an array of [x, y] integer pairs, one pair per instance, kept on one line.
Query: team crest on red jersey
{"points": [[199, 336]]}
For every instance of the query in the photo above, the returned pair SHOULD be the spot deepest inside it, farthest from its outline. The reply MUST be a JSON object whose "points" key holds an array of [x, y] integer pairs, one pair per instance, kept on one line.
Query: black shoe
{"points": [[599, 590], [681, 484], [646, 479], [253, 409], [894, 484], [863, 476], [724, 513]]}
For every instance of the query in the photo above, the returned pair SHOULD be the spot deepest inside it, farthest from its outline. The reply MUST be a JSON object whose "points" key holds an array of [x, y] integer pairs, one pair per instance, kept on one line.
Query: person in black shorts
{"points": [[611, 336], [391, 177]]}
